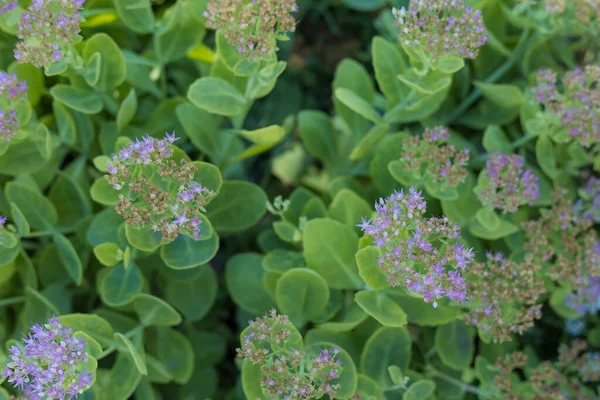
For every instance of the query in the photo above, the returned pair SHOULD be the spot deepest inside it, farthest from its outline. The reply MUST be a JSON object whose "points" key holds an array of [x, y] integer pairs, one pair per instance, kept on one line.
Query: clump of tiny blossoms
{"points": [[11, 90], [156, 192], [589, 204], [572, 103], [252, 25], [442, 27], [46, 29], [507, 296], [416, 252], [3, 220], [443, 162], [7, 5], [293, 375], [584, 12], [507, 183], [51, 365]]}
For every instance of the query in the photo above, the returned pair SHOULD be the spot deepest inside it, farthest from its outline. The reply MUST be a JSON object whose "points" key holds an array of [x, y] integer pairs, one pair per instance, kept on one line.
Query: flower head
{"points": [[51, 365], [7, 5], [573, 102], [442, 27], [251, 25], [46, 29], [416, 252], [507, 294], [443, 162], [155, 191], [507, 183], [11, 90]]}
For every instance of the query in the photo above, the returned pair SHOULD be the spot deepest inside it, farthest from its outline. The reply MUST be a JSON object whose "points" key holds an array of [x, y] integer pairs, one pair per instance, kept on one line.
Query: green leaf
{"points": [[92, 70], [175, 352], [369, 141], [217, 97], [450, 64], [19, 220], [397, 169], [318, 135], [127, 110], [349, 319], [264, 139], [357, 104], [227, 52], [77, 98], [546, 156], [380, 307], [348, 378], [488, 218], [347, 207], [251, 376], [143, 239], [138, 358], [245, 67], [369, 270], [421, 313], [388, 64], [279, 261], [109, 254], [428, 85], [262, 83], [455, 345], [353, 76], [23, 158], [387, 346], [365, 5], [505, 228], [185, 252], [194, 297], [502, 95], [92, 324], [245, 201], [136, 14], [67, 129], [494, 140], [34, 78], [69, 257], [420, 390], [154, 311], [558, 303], [177, 33], [122, 379], [301, 294], [103, 193], [120, 285], [243, 277], [36, 208], [329, 249]]}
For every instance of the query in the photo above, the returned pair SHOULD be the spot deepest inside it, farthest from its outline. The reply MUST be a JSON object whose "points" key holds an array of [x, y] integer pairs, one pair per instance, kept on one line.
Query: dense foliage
{"points": [[296, 199]]}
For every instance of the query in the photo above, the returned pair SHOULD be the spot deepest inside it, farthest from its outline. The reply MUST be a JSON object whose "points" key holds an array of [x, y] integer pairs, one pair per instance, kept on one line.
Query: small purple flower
{"points": [[181, 219]]}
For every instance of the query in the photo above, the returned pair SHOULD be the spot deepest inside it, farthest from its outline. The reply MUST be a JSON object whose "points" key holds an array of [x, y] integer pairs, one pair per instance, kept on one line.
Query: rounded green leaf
{"points": [[368, 389], [558, 303], [37, 209], [348, 379], [455, 344], [420, 390], [217, 97], [138, 358], [348, 207], [69, 257], [175, 352], [381, 307], [143, 239], [109, 254], [112, 62], [279, 261], [423, 314], [243, 276], [127, 110], [80, 99], [488, 218], [502, 95], [194, 297], [92, 324], [238, 206], [329, 249], [387, 346], [120, 285], [185, 252], [136, 14], [154, 311], [349, 319], [301, 294], [357, 104], [251, 374], [449, 64], [494, 139]]}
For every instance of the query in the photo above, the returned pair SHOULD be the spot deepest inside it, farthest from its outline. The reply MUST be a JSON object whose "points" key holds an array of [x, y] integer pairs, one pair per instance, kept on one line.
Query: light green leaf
{"points": [[455, 344], [380, 307], [301, 294], [127, 110], [357, 104], [217, 97], [69, 257], [502, 95], [77, 98], [138, 358], [387, 346], [120, 285], [243, 276], [154, 311]]}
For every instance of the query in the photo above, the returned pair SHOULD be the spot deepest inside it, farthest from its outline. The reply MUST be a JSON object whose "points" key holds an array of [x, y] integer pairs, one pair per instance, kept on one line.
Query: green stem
{"points": [[453, 381], [11, 300], [499, 73], [47, 233], [127, 334], [521, 141]]}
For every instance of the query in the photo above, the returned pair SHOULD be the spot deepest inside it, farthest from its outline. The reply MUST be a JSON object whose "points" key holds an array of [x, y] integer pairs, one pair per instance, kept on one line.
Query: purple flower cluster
{"points": [[11, 90], [51, 365], [7, 5], [586, 299], [252, 25], [415, 251], [588, 367], [261, 334], [45, 30], [588, 207], [444, 162], [442, 27], [507, 183], [505, 295], [572, 103], [141, 171], [3, 220]]}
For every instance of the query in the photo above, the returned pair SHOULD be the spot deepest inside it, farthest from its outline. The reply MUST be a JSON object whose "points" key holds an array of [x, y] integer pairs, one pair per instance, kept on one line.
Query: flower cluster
{"points": [[11, 90], [584, 12], [507, 183], [586, 299], [3, 220], [156, 192], [573, 103], [558, 380], [7, 5], [507, 296], [252, 25], [444, 162], [442, 27], [294, 375], [51, 365], [45, 30], [415, 251], [589, 204]]}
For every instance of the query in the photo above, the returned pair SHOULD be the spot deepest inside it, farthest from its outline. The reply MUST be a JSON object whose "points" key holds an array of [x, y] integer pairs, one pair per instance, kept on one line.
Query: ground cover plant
{"points": [[297, 199]]}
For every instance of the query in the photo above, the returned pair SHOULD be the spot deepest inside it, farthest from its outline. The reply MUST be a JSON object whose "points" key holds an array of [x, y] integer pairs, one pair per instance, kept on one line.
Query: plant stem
{"points": [[522, 140], [47, 233], [464, 386], [11, 300], [499, 73], [127, 334]]}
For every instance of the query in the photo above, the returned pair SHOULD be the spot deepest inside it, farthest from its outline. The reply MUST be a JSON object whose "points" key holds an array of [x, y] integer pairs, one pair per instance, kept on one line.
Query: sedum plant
{"points": [[277, 199]]}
